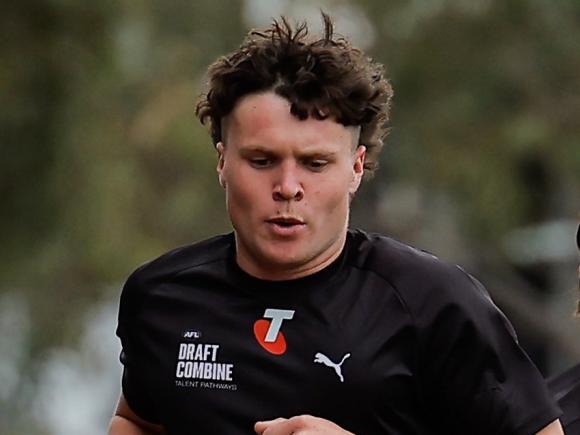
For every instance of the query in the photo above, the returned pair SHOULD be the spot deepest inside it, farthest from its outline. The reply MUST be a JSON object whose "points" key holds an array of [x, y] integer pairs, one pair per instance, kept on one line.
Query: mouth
{"points": [[285, 222], [286, 226]]}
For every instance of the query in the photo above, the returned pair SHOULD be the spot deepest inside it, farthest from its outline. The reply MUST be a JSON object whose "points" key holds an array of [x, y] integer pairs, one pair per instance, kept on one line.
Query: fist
{"points": [[299, 425]]}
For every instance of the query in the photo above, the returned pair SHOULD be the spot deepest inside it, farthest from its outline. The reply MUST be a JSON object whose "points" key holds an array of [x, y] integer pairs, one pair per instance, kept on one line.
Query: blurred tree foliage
{"points": [[488, 98], [104, 166]]}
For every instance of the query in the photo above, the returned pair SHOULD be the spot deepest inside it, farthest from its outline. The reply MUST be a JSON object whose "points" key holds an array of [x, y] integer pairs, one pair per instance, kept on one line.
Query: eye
{"points": [[316, 164], [260, 162]]}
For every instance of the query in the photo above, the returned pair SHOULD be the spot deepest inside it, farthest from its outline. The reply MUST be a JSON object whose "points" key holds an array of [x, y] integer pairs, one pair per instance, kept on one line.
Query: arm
{"points": [[554, 428], [312, 425], [476, 374], [303, 424], [126, 422]]}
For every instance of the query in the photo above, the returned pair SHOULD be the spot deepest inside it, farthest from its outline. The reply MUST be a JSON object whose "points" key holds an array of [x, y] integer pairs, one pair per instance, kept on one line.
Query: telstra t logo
{"points": [[268, 333]]}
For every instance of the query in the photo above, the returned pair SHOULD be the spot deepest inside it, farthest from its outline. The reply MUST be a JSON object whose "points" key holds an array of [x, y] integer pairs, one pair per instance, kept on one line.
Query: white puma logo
{"points": [[323, 359]]}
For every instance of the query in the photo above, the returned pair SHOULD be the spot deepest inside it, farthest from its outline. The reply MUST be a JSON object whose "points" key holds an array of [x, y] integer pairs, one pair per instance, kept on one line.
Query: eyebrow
{"points": [[259, 149], [254, 149]]}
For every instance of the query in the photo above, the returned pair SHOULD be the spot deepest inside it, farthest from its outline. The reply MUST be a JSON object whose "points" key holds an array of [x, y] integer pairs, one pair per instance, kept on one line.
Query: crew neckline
{"points": [[325, 276]]}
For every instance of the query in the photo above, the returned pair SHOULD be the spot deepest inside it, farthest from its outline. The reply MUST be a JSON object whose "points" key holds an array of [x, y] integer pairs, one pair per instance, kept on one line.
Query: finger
{"points": [[261, 426]]}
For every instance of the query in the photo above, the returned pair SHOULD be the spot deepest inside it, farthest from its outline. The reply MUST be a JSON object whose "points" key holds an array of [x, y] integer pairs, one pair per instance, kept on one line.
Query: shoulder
{"points": [[176, 261], [185, 257], [433, 292], [375, 252], [413, 272]]}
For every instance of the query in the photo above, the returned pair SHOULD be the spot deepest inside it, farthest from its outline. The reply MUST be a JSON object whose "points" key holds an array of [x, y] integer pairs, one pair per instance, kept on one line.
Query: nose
{"points": [[287, 187]]}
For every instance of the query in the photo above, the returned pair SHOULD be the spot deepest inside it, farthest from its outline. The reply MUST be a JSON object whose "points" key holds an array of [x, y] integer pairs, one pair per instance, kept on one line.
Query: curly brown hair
{"points": [[321, 78]]}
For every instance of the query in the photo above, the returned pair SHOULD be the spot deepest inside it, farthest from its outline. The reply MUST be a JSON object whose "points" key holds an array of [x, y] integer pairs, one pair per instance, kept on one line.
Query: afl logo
{"points": [[191, 334]]}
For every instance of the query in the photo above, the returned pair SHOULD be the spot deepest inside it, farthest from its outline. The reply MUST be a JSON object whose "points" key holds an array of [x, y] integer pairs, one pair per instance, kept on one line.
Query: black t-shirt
{"points": [[386, 340], [566, 390]]}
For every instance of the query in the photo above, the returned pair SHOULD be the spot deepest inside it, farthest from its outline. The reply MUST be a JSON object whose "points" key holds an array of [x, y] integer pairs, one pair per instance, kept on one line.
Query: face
{"points": [[288, 186]]}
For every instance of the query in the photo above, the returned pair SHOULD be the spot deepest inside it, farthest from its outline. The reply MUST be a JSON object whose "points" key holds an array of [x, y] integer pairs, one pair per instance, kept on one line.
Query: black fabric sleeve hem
{"points": [[539, 421], [134, 390], [135, 403]]}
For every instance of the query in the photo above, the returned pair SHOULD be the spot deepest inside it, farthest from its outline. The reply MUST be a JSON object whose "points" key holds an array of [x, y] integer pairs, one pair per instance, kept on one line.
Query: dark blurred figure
{"points": [[566, 387]]}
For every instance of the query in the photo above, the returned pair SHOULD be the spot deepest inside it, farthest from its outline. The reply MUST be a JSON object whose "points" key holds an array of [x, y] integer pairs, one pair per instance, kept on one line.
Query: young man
{"points": [[294, 323]]}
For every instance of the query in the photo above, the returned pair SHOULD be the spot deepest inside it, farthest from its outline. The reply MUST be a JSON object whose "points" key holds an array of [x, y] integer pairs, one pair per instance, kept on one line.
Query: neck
{"points": [[271, 271]]}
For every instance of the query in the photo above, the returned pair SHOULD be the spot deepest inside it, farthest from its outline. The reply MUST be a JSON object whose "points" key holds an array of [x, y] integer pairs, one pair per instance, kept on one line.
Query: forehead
{"points": [[263, 118]]}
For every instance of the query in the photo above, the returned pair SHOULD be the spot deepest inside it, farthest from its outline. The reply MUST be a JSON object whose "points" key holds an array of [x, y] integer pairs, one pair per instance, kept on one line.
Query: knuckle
{"points": [[302, 421], [299, 421]]}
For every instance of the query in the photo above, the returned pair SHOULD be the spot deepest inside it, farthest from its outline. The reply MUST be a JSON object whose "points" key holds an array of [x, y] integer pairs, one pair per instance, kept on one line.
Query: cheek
{"points": [[244, 192], [331, 198], [238, 197]]}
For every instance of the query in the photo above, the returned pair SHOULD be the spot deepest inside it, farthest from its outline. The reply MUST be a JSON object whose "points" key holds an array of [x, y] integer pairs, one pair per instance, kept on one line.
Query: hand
{"points": [[299, 425]]}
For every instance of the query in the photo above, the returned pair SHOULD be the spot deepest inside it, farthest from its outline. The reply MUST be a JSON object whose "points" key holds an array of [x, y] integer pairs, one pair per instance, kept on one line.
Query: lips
{"points": [[285, 221], [286, 226]]}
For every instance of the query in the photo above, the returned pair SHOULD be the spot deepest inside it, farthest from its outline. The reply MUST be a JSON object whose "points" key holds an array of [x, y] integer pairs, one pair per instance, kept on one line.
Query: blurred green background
{"points": [[103, 166]]}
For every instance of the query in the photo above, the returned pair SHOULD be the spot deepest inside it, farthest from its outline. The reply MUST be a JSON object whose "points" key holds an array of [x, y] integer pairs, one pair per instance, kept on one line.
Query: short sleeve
{"points": [[566, 390], [475, 376], [134, 381]]}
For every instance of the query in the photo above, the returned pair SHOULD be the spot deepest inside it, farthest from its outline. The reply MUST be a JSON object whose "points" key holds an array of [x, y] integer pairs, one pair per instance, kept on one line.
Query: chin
{"points": [[282, 257]]}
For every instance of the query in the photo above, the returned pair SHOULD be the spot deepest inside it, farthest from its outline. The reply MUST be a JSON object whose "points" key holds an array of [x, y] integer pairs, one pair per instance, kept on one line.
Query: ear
{"points": [[358, 168], [221, 163]]}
